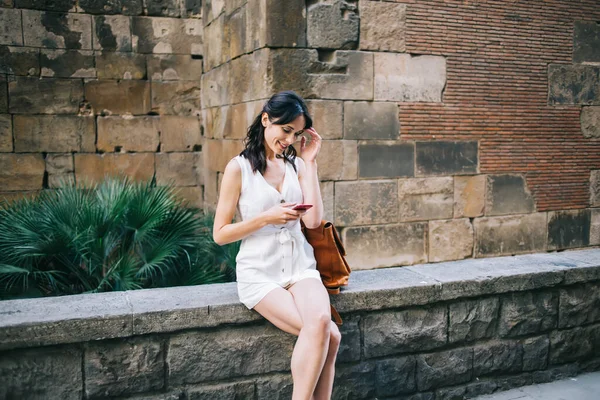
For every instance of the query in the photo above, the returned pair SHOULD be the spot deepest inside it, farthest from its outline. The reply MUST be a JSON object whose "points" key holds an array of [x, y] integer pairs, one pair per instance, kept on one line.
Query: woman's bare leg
{"points": [[325, 383]]}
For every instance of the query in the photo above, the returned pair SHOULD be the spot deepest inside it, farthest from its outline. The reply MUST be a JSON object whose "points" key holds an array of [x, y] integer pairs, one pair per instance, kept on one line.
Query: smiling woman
{"points": [[275, 268]]}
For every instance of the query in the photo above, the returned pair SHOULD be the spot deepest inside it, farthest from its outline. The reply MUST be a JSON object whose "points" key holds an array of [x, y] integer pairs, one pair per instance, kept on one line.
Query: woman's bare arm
{"points": [[309, 182]]}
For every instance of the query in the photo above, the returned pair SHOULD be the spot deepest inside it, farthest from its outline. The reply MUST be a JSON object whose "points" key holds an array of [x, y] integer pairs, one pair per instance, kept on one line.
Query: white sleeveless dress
{"points": [[276, 255]]}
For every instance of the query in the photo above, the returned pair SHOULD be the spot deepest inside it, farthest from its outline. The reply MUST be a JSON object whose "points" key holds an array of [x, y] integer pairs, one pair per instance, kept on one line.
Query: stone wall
{"points": [[443, 331]]}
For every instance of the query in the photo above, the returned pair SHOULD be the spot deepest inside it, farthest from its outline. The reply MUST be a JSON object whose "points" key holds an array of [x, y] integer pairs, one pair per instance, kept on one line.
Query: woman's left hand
{"points": [[310, 151]]}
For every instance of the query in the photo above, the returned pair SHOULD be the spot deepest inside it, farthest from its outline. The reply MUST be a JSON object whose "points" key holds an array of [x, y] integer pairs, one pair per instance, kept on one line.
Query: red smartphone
{"points": [[301, 207]]}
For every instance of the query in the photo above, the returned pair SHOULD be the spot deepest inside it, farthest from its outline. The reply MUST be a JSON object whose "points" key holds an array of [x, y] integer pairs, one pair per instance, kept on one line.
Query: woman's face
{"points": [[279, 137]]}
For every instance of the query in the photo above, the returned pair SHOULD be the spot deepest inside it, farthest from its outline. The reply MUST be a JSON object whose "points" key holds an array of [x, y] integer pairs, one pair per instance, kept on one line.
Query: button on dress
{"points": [[276, 255]]}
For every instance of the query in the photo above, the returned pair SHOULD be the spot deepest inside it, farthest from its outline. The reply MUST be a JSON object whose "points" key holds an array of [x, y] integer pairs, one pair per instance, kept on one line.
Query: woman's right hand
{"points": [[282, 214]]}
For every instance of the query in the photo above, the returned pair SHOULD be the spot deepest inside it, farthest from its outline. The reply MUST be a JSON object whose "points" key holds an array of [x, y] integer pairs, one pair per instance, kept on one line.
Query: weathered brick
{"points": [[57, 164], [327, 195], [573, 84], [278, 387], [168, 67], [450, 239], [237, 119], [217, 153], [176, 98], [396, 376], [528, 313], [568, 229], [510, 234], [371, 120], [333, 25], [471, 320], [112, 32], [193, 195], [124, 367], [370, 247], [61, 180], [579, 305], [111, 65], [163, 8], [179, 133], [57, 30], [425, 198], [19, 61], [179, 169], [327, 117], [167, 35], [90, 168], [285, 23], [595, 188], [469, 196], [535, 353], [577, 344], [21, 171], [6, 134], [235, 29], [9, 197], [67, 63], [586, 42], [366, 202], [45, 96], [125, 7], [54, 5], [211, 10], [386, 160], [337, 160], [118, 97], [218, 51], [54, 133], [595, 227], [444, 368], [497, 357], [248, 77], [223, 391], [41, 373], [256, 28], [446, 158], [359, 382], [508, 194], [215, 86], [11, 31], [128, 134], [468, 391], [3, 94], [403, 77], [382, 26], [590, 122]]}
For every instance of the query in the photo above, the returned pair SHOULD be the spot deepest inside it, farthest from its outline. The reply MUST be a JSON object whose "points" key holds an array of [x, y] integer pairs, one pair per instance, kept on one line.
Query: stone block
{"points": [[249, 77], [386, 160], [232, 122], [125, 7], [180, 133], [192, 9], [403, 77], [412, 330], [444, 368], [327, 117], [472, 320], [572, 345], [396, 376], [371, 120], [41, 373], [45, 96], [586, 42], [167, 67], [212, 9], [595, 227], [568, 229], [57, 30], [23, 61], [382, 26], [508, 194], [350, 346], [366, 202], [21, 171], [235, 29], [579, 305], [510, 234], [278, 387], [285, 23], [194, 357], [111, 65], [450, 239], [118, 97], [528, 313], [167, 35], [359, 382], [6, 134], [59, 164], [595, 188], [446, 158], [217, 153], [224, 391], [535, 353], [217, 52], [425, 198], [497, 357], [192, 195], [11, 30], [162, 8], [469, 196], [3, 94], [63, 180], [112, 33], [328, 200], [590, 122], [333, 25], [9, 197], [176, 98], [124, 367], [215, 86], [337, 160], [93, 168], [468, 391], [573, 84], [54, 133], [123, 134], [179, 169], [67, 64]]}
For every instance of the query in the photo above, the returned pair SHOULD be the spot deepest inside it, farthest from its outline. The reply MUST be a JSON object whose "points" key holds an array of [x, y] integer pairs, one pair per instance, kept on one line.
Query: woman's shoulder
{"points": [[234, 165]]}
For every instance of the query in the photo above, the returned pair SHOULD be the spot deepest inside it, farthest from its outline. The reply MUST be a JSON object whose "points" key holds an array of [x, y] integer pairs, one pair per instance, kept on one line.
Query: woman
{"points": [[276, 268]]}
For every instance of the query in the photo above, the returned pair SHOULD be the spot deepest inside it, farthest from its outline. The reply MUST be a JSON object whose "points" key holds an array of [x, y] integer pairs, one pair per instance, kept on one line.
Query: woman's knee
{"points": [[318, 324], [335, 336]]}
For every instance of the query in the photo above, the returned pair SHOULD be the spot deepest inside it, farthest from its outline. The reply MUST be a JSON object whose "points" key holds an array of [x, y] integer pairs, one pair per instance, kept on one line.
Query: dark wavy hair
{"points": [[282, 108]]}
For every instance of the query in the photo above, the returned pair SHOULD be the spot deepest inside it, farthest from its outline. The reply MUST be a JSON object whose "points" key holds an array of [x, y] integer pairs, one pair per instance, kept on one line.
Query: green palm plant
{"points": [[116, 235]]}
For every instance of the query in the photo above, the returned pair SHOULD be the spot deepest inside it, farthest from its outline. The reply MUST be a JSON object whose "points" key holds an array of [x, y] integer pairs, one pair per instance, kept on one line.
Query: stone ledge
{"points": [[81, 318]]}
